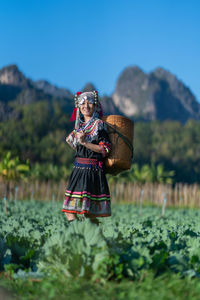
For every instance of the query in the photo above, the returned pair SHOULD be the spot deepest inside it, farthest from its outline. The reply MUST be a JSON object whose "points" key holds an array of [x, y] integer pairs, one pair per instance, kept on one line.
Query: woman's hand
{"points": [[81, 137], [69, 143]]}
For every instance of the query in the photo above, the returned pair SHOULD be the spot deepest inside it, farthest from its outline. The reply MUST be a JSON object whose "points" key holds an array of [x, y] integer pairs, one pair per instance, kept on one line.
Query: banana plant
{"points": [[146, 173], [140, 175], [49, 172], [159, 175], [11, 169]]}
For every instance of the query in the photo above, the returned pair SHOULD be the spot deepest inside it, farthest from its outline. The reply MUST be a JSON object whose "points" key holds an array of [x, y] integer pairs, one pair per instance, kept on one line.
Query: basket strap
{"points": [[124, 138]]}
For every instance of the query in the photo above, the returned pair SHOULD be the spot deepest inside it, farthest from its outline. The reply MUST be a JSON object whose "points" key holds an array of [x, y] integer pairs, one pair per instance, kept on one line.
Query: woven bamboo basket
{"points": [[120, 130]]}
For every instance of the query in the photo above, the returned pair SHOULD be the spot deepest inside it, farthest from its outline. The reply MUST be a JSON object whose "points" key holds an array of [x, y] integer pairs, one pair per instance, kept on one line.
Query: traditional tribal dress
{"points": [[88, 191]]}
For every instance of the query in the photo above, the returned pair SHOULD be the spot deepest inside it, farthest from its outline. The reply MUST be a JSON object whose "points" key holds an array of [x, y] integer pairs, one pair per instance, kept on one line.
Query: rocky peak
{"points": [[157, 95], [11, 75], [164, 75], [51, 89], [131, 92], [89, 87], [130, 72], [179, 90]]}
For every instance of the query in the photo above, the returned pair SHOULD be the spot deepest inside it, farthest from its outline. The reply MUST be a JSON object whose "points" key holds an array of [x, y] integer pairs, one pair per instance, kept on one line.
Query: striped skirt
{"points": [[87, 191]]}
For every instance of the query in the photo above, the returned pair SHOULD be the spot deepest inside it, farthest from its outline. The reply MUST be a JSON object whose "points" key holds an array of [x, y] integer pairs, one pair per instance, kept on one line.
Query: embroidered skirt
{"points": [[88, 191]]}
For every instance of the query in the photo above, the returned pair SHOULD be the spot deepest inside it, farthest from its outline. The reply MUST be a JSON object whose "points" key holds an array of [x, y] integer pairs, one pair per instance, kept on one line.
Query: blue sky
{"points": [[70, 43]]}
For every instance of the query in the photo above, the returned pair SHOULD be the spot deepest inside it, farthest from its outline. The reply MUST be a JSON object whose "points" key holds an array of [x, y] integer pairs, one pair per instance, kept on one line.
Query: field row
{"points": [[36, 241]]}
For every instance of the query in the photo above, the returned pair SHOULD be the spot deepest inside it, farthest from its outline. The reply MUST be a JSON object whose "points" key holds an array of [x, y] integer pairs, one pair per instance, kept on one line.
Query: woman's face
{"points": [[87, 108]]}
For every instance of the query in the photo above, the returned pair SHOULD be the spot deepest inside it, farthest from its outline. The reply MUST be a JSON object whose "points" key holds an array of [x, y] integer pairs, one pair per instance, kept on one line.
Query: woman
{"points": [[88, 192]]}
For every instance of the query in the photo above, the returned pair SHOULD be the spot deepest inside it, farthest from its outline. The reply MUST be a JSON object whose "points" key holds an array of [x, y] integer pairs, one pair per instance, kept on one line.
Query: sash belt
{"points": [[88, 161]]}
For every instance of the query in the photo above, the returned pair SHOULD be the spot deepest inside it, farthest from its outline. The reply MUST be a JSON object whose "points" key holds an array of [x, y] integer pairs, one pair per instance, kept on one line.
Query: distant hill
{"points": [[158, 95], [17, 90]]}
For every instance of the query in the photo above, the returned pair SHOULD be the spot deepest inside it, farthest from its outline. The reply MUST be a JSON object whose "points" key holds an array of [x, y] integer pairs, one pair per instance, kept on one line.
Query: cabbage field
{"points": [[36, 242]]}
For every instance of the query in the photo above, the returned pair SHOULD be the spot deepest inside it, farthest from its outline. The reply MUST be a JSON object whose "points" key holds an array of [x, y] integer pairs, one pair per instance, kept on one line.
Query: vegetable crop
{"points": [[36, 240]]}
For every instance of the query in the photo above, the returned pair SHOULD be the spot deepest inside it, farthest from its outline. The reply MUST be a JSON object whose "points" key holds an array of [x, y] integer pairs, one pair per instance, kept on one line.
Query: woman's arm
{"points": [[103, 147], [93, 147]]}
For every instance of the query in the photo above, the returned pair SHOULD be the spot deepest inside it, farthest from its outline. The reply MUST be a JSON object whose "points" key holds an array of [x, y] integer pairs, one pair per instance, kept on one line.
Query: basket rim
{"points": [[118, 116]]}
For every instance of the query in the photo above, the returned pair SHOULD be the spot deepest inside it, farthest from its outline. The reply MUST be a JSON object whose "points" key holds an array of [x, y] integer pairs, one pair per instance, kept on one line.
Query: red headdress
{"points": [[73, 116]]}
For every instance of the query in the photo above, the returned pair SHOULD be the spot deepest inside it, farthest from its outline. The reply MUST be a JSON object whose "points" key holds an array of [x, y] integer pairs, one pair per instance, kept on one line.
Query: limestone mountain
{"points": [[51, 89], [12, 76], [89, 87], [157, 95], [16, 90], [109, 107]]}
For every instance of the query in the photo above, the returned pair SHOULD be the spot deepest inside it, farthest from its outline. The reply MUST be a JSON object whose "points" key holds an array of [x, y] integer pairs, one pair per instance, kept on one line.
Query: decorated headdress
{"points": [[79, 98]]}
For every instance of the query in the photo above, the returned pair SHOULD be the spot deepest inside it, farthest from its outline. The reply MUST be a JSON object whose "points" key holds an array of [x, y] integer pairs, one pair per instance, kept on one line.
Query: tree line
{"points": [[39, 136]]}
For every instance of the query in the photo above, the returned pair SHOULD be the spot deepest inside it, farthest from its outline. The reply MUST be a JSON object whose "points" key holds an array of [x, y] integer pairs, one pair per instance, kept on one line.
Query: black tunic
{"points": [[87, 191]]}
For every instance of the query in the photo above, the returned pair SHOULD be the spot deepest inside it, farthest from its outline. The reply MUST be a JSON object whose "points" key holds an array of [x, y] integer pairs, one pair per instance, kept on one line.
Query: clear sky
{"points": [[70, 43]]}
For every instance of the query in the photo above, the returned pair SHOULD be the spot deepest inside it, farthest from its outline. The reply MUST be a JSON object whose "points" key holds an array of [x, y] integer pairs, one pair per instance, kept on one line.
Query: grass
{"points": [[166, 287]]}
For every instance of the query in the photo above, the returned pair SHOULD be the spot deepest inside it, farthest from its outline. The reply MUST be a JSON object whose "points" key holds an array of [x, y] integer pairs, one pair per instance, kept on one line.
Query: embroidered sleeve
{"points": [[104, 140]]}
